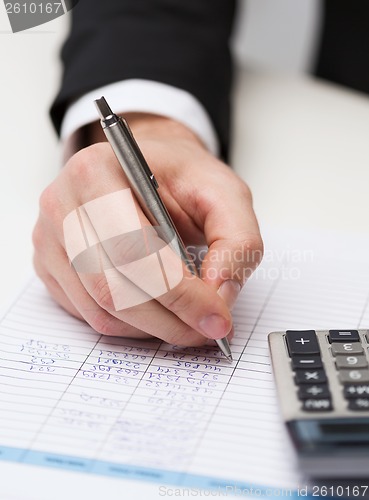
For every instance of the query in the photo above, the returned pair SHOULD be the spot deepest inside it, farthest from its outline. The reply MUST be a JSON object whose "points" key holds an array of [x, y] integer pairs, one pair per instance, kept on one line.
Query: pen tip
{"points": [[223, 345]]}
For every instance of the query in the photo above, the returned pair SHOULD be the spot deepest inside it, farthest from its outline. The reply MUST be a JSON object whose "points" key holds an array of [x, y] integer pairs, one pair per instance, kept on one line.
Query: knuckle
{"points": [[187, 338], [101, 322], [242, 191], [125, 248], [48, 280], [37, 267], [256, 244], [82, 167], [37, 237], [246, 192], [49, 204], [102, 294], [253, 249], [106, 324], [178, 299]]}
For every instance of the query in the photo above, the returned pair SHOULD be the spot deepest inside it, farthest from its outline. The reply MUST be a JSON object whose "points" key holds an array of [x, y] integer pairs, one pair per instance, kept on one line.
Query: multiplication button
{"points": [[302, 342], [344, 336], [310, 377]]}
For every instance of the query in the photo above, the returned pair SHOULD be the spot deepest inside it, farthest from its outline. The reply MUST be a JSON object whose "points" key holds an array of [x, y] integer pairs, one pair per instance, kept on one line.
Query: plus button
{"points": [[303, 342]]}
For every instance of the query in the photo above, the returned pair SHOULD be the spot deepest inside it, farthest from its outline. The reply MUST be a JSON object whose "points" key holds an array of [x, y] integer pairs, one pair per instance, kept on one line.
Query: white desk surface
{"points": [[301, 145]]}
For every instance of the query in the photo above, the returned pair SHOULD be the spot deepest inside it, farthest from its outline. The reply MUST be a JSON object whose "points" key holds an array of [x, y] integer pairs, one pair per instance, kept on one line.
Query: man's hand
{"points": [[209, 205]]}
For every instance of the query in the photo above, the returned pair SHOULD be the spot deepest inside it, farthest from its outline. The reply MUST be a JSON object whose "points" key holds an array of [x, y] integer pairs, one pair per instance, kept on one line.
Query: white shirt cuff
{"points": [[148, 97]]}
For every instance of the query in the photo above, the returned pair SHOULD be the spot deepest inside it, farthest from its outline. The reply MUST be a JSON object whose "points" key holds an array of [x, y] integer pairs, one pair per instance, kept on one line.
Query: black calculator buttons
{"points": [[352, 376], [344, 336], [351, 391], [359, 404], [302, 342], [315, 376], [351, 361], [310, 377], [306, 362], [347, 348], [322, 404], [316, 391]]}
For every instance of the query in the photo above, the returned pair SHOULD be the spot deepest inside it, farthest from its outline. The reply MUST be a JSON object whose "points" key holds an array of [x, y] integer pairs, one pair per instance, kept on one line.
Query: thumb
{"points": [[235, 247], [228, 264]]}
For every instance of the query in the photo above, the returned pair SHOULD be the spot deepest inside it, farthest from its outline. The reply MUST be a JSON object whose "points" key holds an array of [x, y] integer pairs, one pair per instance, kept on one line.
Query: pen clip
{"points": [[139, 154]]}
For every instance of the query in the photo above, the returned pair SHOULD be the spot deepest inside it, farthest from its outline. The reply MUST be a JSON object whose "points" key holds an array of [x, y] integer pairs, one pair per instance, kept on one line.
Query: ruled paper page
{"points": [[75, 400]]}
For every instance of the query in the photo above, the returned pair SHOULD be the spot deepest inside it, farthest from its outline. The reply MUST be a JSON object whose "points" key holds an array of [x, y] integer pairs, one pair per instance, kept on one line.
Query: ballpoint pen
{"points": [[144, 186]]}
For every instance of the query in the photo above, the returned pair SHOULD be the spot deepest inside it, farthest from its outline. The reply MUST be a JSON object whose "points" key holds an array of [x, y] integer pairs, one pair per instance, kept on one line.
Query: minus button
{"points": [[306, 362]]}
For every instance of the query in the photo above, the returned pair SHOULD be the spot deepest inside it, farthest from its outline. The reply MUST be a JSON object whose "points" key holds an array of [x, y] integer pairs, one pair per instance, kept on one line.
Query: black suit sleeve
{"points": [[183, 43], [344, 47]]}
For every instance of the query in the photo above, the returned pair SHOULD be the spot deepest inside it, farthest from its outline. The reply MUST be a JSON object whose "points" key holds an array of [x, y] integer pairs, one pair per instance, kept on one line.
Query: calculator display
{"points": [[352, 427], [309, 434]]}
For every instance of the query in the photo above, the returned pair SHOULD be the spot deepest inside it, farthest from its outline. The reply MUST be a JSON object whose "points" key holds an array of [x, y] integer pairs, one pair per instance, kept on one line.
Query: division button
{"points": [[344, 336], [359, 404], [347, 376], [302, 342], [323, 404], [355, 390], [315, 391], [347, 348], [306, 362], [351, 361], [310, 377]]}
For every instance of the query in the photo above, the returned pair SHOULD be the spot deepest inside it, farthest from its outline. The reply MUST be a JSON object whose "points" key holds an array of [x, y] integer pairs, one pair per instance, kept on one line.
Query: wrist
{"points": [[148, 126]]}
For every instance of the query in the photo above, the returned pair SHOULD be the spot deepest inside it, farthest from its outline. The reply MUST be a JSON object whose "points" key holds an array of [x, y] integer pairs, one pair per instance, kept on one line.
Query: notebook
{"points": [[149, 413]]}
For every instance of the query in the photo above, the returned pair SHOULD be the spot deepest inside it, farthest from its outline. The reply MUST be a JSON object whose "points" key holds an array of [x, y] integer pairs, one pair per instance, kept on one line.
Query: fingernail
{"points": [[214, 326], [229, 291]]}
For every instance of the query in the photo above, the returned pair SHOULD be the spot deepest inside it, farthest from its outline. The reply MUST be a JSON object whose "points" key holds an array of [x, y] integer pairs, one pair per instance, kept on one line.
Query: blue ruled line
{"points": [[133, 472]]}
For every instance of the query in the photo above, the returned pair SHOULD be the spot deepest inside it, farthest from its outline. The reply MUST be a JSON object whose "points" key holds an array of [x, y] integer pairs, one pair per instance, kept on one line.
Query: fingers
{"points": [[149, 316], [123, 263], [208, 197], [55, 290], [66, 289], [195, 303], [88, 295], [133, 271], [235, 247]]}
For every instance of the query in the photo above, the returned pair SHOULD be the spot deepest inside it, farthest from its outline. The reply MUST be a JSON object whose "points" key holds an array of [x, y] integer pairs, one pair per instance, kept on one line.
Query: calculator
{"points": [[322, 379]]}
